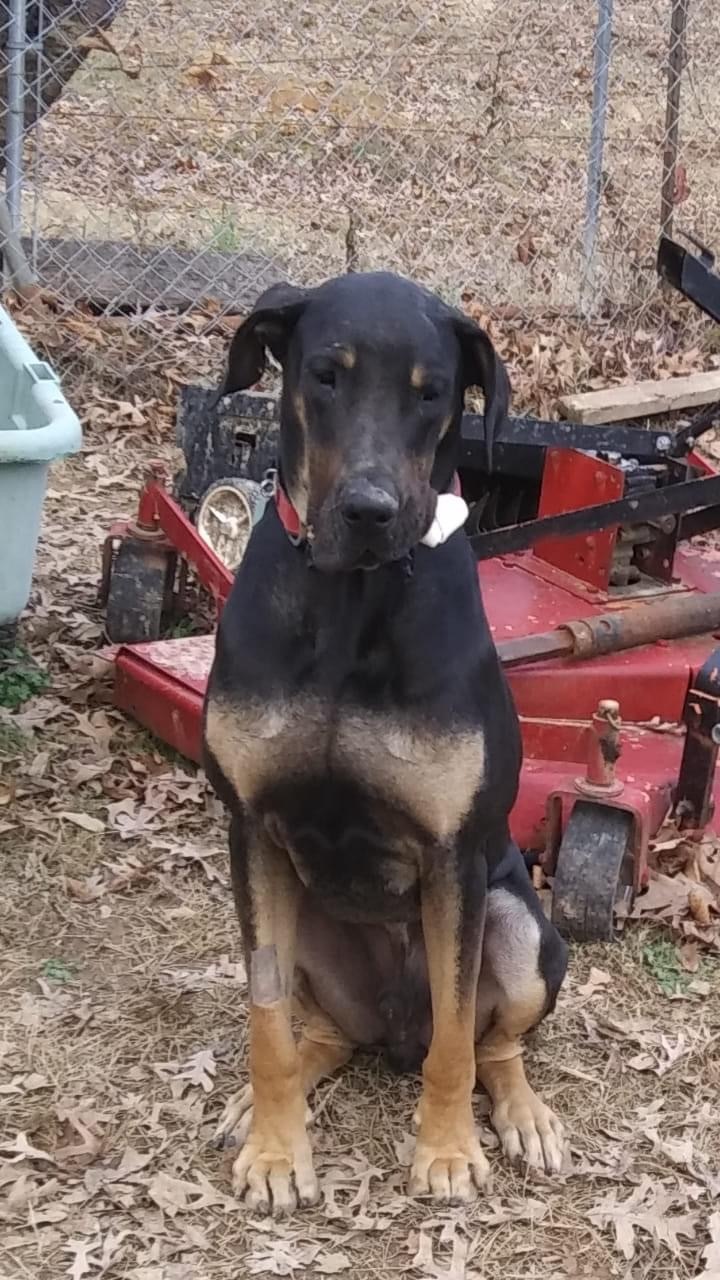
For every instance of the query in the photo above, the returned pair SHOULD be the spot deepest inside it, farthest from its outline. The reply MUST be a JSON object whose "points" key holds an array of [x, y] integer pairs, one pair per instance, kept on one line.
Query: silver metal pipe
{"points": [[596, 149], [677, 55], [15, 122]]}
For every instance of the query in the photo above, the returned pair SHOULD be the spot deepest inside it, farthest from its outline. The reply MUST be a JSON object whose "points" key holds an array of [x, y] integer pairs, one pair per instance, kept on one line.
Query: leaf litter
{"points": [[114, 862]]}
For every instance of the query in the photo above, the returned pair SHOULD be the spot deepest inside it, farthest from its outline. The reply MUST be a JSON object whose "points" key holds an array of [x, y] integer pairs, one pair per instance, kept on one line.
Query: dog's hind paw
{"points": [[236, 1120], [529, 1131]]}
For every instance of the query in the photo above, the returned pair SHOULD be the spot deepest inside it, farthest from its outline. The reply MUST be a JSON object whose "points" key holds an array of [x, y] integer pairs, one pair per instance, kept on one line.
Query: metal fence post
{"points": [[676, 65], [601, 73], [15, 125]]}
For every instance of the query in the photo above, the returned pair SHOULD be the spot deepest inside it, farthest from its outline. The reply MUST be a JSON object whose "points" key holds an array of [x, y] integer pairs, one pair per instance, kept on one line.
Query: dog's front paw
{"points": [[274, 1174], [529, 1131], [449, 1170]]}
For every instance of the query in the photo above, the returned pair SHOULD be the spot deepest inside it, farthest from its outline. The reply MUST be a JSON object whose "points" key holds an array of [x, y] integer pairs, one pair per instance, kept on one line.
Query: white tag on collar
{"points": [[451, 512]]}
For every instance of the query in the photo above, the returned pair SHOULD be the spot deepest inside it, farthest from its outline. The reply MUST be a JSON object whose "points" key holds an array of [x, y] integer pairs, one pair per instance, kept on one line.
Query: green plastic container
{"points": [[37, 425]]}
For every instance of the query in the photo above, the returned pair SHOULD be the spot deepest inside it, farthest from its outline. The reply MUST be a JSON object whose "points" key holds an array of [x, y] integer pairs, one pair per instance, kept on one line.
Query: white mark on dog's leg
{"points": [[265, 985]]}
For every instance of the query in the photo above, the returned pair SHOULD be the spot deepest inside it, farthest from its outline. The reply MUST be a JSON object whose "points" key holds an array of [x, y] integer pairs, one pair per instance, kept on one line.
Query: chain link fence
{"points": [[180, 155]]}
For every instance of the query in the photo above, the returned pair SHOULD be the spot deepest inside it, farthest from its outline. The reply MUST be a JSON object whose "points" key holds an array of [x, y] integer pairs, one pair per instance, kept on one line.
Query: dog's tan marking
{"points": [[322, 1050], [255, 743], [346, 355], [448, 1155], [417, 376], [526, 1127], [298, 486], [274, 1167], [511, 1000], [325, 467], [445, 427]]}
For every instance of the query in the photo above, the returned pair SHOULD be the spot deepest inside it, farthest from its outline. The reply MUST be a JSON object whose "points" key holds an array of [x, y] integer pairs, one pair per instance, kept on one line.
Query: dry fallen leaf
{"points": [[596, 982], [21, 1148], [645, 1209], [699, 903], [332, 1264], [81, 1263], [711, 1253], [83, 820]]}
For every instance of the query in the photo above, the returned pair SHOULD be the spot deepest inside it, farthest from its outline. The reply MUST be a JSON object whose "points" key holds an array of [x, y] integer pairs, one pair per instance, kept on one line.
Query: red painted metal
{"points": [[162, 684], [572, 480], [159, 512]]}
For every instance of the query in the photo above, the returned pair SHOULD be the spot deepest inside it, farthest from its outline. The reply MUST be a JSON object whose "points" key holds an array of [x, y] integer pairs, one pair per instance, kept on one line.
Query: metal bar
{"points": [[15, 121], [17, 270], [674, 618], [695, 523], [601, 72], [617, 437], [211, 571], [684, 438], [634, 442], [691, 274], [676, 64], [670, 500], [644, 444]]}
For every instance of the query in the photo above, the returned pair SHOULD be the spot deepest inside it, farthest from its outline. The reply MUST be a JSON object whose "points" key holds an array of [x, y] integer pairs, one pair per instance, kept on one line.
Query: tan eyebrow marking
{"points": [[347, 356]]}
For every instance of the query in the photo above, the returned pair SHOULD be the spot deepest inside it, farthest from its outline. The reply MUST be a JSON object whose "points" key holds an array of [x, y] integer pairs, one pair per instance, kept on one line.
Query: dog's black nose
{"points": [[365, 507]]}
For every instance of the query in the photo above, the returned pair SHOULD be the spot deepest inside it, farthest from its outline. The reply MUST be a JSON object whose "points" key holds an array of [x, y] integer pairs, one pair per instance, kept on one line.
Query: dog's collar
{"points": [[289, 517], [442, 526]]}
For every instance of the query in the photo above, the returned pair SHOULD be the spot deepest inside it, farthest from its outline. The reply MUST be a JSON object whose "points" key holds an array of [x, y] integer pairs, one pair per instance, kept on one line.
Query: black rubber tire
{"points": [[138, 595], [594, 870]]}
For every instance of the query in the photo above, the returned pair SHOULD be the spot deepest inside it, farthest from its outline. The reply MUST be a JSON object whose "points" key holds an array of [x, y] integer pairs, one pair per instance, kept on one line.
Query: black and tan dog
{"points": [[360, 730]]}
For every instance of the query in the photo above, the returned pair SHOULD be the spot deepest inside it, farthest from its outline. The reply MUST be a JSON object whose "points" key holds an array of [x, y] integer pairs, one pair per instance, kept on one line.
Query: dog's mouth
{"points": [[337, 549], [368, 561]]}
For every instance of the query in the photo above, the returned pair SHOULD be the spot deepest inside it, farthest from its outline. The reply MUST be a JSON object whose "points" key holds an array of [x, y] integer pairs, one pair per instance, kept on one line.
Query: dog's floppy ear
{"points": [[268, 327], [482, 367]]}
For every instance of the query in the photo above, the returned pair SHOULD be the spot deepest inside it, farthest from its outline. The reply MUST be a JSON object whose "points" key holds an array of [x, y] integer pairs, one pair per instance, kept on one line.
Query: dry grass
{"points": [[123, 1013]]}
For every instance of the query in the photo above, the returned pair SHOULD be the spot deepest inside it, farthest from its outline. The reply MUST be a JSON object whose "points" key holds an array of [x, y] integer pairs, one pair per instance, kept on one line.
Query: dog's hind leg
{"points": [[523, 966], [274, 1168], [322, 1049]]}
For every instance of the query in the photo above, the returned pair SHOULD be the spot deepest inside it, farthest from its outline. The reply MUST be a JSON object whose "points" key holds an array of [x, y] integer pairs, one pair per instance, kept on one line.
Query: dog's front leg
{"points": [[274, 1169], [448, 1156]]}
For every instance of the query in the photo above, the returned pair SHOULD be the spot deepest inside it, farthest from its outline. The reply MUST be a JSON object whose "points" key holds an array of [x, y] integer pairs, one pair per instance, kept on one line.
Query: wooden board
{"points": [[641, 399], [117, 276]]}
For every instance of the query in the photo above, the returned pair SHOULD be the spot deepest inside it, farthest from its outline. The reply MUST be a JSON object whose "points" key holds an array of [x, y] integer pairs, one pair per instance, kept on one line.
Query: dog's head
{"points": [[374, 375]]}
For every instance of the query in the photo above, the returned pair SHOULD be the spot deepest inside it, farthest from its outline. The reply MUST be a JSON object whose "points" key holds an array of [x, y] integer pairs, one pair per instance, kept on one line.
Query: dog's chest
{"points": [[427, 773]]}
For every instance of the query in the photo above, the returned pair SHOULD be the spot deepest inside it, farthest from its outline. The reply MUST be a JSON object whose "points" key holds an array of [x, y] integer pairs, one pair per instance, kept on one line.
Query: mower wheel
{"points": [[225, 517], [594, 872], [139, 592]]}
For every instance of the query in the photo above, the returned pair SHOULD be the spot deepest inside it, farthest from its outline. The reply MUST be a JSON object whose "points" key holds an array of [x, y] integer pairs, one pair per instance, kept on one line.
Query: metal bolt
{"points": [[662, 444], [608, 707]]}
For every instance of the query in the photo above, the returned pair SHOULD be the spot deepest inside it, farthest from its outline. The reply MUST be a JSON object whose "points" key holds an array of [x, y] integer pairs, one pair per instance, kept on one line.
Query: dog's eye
{"points": [[326, 377]]}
